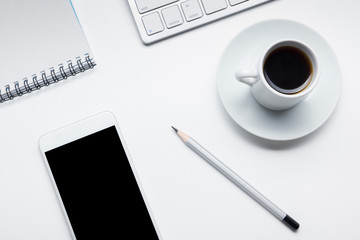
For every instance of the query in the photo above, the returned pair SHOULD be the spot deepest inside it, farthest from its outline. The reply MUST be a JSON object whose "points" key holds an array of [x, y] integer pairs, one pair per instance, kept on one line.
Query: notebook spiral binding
{"points": [[47, 78]]}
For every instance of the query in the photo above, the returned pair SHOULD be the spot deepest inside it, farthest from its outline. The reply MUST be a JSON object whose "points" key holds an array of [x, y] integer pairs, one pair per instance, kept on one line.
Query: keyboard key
{"points": [[234, 2], [147, 5], [152, 23], [191, 10], [212, 6], [172, 16]]}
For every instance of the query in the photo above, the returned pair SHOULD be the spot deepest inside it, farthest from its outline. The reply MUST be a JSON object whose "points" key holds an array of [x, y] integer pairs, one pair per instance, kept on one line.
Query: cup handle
{"points": [[249, 78]]}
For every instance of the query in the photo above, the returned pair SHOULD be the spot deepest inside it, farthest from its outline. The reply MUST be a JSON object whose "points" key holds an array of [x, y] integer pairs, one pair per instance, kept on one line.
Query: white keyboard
{"points": [[159, 19]]}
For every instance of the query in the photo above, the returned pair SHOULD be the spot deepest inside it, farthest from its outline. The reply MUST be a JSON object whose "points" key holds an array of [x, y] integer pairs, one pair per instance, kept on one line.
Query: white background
{"points": [[149, 88]]}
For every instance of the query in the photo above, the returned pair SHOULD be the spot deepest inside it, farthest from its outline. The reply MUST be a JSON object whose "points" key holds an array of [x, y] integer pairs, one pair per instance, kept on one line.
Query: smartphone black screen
{"points": [[99, 190]]}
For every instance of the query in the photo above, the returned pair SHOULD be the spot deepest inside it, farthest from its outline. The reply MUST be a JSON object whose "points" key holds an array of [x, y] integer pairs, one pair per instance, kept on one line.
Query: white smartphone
{"points": [[95, 181]]}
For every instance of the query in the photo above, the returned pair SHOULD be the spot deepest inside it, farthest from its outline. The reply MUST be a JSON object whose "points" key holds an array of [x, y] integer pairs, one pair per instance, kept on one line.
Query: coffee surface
{"points": [[287, 68]]}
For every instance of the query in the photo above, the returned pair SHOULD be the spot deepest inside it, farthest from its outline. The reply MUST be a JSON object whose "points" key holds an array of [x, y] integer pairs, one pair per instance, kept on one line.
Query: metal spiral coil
{"points": [[53, 75]]}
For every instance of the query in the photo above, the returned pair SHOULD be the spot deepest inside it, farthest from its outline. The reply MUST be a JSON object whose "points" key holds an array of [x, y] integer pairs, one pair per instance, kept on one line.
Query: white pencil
{"points": [[241, 183]]}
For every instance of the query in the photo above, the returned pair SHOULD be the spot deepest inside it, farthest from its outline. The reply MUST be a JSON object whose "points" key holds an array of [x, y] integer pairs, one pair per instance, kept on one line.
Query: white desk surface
{"points": [[149, 88]]}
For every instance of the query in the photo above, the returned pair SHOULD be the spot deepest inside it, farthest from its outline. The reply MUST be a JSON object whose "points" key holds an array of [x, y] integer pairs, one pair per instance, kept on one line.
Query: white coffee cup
{"points": [[265, 91]]}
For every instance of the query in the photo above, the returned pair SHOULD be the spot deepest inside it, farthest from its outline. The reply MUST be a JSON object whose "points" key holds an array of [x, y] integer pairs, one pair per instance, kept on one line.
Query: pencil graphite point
{"points": [[174, 129]]}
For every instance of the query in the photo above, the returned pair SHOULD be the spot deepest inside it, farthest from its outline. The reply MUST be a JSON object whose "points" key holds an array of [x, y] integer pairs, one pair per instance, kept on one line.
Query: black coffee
{"points": [[288, 68]]}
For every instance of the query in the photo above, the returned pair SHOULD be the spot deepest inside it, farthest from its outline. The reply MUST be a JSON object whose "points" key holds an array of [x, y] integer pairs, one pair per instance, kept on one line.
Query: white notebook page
{"points": [[35, 36]]}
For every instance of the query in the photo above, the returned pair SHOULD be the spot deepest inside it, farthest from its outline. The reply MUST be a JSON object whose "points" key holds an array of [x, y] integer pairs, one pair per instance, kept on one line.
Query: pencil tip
{"points": [[174, 129]]}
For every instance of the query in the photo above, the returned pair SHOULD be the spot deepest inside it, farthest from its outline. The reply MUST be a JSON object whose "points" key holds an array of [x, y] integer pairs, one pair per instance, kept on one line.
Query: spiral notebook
{"points": [[41, 43]]}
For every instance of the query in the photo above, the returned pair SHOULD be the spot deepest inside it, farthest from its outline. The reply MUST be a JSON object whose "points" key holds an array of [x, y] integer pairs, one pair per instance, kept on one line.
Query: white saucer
{"points": [[290, 124]]}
